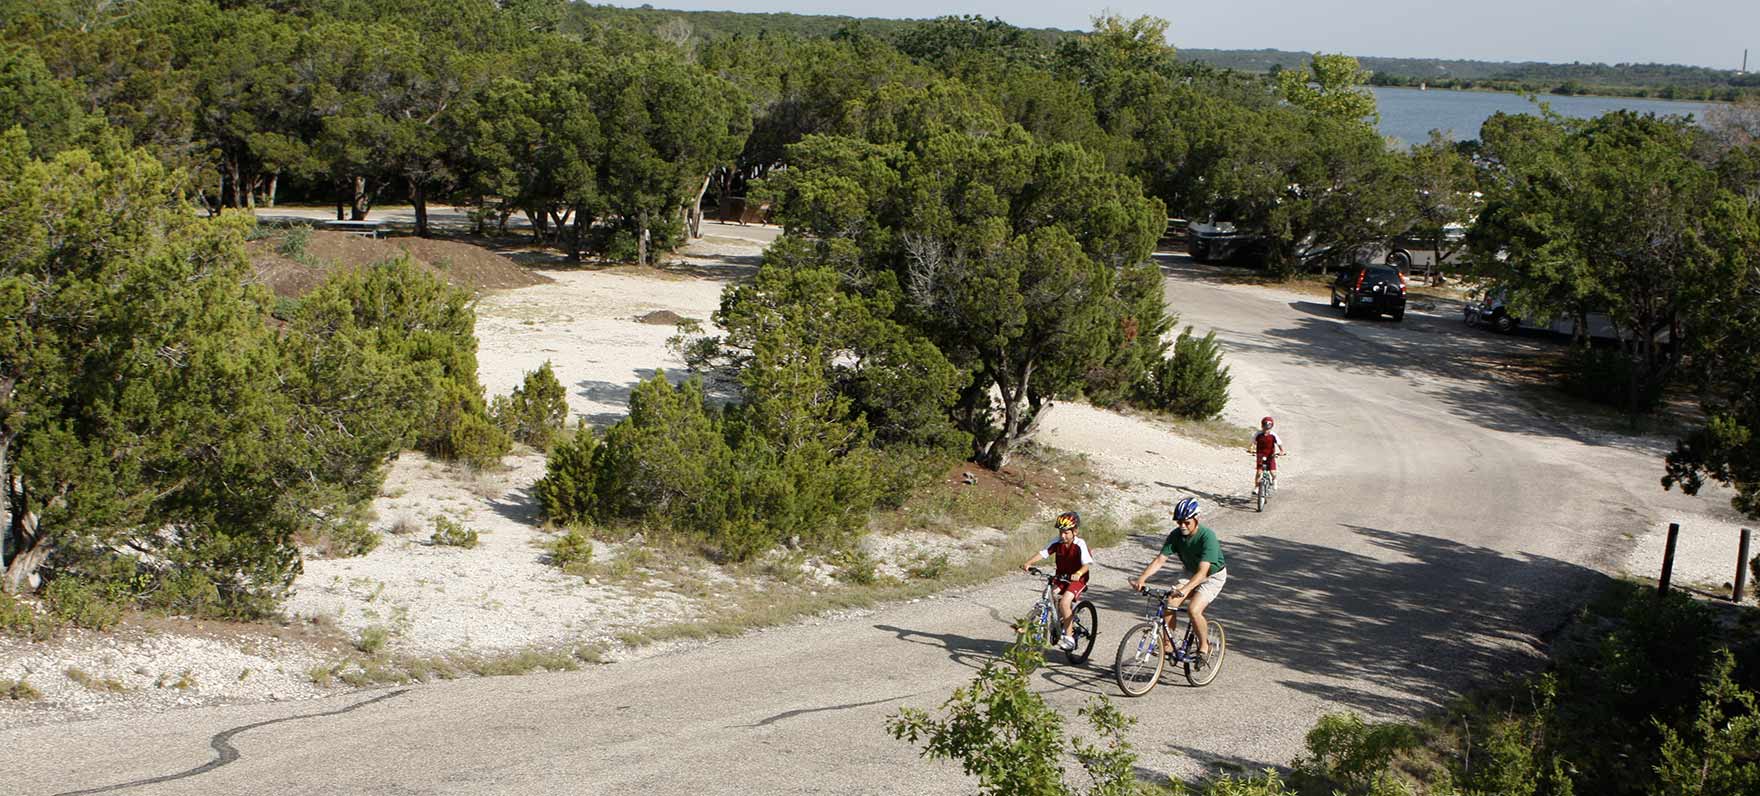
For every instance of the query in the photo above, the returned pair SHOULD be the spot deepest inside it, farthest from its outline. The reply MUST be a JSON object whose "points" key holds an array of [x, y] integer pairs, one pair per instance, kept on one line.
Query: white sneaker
{"points": [[1068, 644]]}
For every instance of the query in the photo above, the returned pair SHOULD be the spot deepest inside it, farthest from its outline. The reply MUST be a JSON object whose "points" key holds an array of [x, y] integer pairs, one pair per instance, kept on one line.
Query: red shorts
{"points": [[1266, 463], [1074, 587]]}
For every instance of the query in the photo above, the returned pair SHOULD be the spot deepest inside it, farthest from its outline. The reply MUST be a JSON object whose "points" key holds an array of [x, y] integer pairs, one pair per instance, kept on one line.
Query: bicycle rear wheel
{"points": [[1202, 675], [1140, 658], [1085, 628]]}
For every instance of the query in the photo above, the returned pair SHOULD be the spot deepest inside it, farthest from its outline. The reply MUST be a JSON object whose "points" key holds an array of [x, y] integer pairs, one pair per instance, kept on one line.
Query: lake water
{"points": [[1409, 114]]}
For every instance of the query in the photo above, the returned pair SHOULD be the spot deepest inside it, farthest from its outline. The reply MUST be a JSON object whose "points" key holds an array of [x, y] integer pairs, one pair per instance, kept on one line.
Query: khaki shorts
{"points": [[1211, 586]]}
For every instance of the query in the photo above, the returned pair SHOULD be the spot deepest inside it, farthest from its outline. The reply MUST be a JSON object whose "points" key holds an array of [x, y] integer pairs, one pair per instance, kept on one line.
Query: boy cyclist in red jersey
{"points": [[1073, 562], [1266, 448]]}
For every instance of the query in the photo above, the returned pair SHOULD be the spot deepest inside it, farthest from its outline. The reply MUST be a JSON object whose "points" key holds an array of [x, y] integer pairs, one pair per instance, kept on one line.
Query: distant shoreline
{"points": [[1544, 95]]}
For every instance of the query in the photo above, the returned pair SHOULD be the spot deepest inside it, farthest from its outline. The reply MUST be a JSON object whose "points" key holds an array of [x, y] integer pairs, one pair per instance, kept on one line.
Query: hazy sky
{"points": [[1700, 32]]}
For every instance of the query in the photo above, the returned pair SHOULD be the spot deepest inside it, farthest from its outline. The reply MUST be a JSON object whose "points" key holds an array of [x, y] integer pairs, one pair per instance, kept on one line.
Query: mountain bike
{"points": [[1145, 649], [1267, 483], [1048, 628]]}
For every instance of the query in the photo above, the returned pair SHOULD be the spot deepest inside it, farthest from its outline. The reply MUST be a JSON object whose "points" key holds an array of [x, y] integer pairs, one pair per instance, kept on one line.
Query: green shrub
{"points": [[94, 606], [18, 618], [462, 430], [294, 241], [928, 567], [187, 593], [1013, 741], [449, 532], [855, 566], [1347, 755], [1192, 383], [567, 493], [1611, 377], [18, 691], [372, 639], [572, 552], [536, 411]]}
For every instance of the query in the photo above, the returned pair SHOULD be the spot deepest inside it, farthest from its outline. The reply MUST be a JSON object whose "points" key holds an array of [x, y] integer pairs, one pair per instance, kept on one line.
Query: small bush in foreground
{"points": [[1008, 737], [449, 532], [573, 552]]}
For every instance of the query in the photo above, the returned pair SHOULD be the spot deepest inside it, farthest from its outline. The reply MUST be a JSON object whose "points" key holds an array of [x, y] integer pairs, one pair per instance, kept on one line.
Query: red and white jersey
{"points": [[1070, 557], [1265, 443]]}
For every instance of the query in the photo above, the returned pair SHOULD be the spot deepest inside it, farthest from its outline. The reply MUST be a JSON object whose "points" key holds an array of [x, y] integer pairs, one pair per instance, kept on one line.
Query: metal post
{"points": [[1741, 568], [1674, 532]]}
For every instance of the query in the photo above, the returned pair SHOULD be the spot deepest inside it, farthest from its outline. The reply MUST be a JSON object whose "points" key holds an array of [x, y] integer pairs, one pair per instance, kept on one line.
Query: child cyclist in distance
{"points": [[1266, 448], [1073, 562]]}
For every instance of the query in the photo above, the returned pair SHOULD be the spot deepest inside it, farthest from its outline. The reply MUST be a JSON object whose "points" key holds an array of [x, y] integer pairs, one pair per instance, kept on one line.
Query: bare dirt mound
{"points": [[462, 264]]}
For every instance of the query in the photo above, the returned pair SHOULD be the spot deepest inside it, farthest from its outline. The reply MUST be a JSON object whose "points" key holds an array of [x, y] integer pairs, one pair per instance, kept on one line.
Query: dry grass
{"points": [[18, 691], [80, 676]]}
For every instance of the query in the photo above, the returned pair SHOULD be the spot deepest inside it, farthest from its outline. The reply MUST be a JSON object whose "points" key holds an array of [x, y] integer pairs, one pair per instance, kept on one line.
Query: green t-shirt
{"points": [[1200, 546]]}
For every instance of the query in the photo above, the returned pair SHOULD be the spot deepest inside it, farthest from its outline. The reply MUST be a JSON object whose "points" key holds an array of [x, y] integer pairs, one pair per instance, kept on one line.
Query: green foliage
{"points": [[94, 606], [18, 618], [449, 532], [776, 469], [1012, 741], [372, 639], [141, 382], [1621, 215], [855, 566], [18, 691], [1608, 376], [568, 494], [1191, 383], [536, 411], [1720, 751], [1330, 87], [1346, 755], [572, 552], [294, 241]]}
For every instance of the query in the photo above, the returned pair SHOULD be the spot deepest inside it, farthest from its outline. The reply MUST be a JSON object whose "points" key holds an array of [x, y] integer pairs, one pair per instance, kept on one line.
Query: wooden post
{"points": [[1741, 568], [1674, 532]]}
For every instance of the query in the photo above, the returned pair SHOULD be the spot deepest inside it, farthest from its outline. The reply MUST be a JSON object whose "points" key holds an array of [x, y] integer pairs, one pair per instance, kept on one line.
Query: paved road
{"points": [[1435, 534]]}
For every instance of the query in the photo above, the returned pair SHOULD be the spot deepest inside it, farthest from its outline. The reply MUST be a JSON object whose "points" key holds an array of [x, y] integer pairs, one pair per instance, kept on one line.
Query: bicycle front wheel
{"points": [[1085, 628], [1140, 658], [1202, 675], [1260, 495]]}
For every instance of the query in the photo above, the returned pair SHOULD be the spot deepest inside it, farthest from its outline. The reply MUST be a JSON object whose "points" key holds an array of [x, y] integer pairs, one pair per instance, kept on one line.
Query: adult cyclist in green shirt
{"points": [[1201, 556]]}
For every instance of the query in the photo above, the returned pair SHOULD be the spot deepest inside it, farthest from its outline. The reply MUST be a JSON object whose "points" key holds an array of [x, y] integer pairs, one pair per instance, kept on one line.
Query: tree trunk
{"points": [[418, 196], [574, 243], [274, 183], [695, 216], [363, 201], [30, 553], [642, 238], [1012, 410], [239, 189]]}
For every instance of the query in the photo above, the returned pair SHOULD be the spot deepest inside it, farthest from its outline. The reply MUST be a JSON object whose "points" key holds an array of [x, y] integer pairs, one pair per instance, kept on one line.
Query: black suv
{"points": [[1370, 289]]}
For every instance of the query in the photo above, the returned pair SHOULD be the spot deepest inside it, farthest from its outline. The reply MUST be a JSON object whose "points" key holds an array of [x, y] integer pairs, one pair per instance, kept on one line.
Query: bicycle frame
{"points": [[1186, 649]]}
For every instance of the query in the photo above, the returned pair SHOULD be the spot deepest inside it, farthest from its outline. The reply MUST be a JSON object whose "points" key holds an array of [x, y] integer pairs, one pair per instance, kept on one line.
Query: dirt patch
{"points": [[462, 264], [661, 318]]}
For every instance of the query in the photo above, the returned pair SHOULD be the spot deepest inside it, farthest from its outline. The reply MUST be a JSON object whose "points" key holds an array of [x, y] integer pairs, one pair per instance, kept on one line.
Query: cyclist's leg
{"points": [[1066, 600], [1199, 601]]}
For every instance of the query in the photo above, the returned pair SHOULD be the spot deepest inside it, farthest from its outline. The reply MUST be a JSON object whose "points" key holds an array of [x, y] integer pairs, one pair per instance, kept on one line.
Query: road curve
{"points": [[1430, 533]]}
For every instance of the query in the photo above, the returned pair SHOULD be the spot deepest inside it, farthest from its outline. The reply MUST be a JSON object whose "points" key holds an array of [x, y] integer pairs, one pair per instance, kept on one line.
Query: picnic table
{"points": [[365, 229]]}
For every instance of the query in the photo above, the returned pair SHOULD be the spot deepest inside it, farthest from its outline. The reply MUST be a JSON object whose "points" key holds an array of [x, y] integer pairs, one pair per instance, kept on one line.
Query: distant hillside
{"points": [[1669, 81]]}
